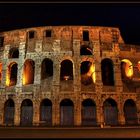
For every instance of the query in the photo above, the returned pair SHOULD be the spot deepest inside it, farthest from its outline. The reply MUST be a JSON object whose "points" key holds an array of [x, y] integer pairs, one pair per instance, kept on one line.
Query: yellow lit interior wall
{"points": [[128, 68]]}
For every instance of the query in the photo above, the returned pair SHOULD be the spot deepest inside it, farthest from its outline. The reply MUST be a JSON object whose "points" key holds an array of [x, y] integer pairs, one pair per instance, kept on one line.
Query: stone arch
{"points": [[66, 112], [14, 52], [11, 78], [66, 71], [130, 112], [46, 112], [46, 68], [26, 117], [88, 112], [28, 72], [110, 110], [87, 73], [9, 112], [107, 71], [126, 69]]}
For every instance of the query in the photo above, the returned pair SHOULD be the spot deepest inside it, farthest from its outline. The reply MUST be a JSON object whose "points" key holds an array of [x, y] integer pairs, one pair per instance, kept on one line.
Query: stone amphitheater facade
{"points": [[68, 76]]}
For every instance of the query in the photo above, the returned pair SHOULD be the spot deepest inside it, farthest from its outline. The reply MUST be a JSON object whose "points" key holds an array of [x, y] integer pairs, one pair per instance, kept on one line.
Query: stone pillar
{"points": [[4, 73], [117, 68], [17, 114], [98, 113], [56, 113], [98, 75], [20, 67], [36, 112], [37, 72], [2, 111], [77, 112], [5, 65]]}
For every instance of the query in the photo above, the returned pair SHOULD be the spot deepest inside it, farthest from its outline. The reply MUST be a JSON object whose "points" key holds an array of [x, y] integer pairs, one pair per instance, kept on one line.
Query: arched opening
{"points": [[28, 72], [14, 53], [9, 111], [85, 50], [87, 73], [66, 72], [11, 78], [88, 112], [130, 112], [66, 112], [46, 68], [110, 112], [46, 112], [107, 72], [126, 70], [26, 117]]}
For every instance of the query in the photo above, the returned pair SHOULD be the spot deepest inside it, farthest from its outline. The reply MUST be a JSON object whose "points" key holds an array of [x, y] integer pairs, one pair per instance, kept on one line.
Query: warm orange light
{"points": [[66, 77], [7, 78], [91, 73], [128, 68], [139, 65]]}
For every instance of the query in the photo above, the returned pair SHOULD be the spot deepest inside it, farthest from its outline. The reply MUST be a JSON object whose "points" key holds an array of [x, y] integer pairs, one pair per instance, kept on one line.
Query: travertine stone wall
{"points": [[65, 43]]}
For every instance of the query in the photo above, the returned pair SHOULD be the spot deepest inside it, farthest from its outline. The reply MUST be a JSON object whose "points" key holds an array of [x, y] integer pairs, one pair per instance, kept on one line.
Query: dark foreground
{"points": [[83, 132]]}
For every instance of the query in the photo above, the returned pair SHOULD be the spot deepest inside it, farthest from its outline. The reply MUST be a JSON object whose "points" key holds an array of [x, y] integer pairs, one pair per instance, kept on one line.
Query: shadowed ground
{"points": [[84, 132]]}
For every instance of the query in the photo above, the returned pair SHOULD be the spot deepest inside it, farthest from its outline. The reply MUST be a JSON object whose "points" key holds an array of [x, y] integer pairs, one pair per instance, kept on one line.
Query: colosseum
{"points": [[68, 76]]}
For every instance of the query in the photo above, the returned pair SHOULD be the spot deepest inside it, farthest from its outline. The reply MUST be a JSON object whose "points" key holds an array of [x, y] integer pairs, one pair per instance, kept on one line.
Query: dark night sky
{"points": [[126, 16]]}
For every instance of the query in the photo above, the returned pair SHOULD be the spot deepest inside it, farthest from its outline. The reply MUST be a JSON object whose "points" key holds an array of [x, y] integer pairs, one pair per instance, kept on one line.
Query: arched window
{"points": [[88, 112], [14, 53], [126, 69], [85, 50], [87, 73], [107, 72], [28, 72], [11, 78], [46, 112], [66, 72], [26, 117], [46, 68], [9, 111], [66, 112], [130, 112], [110, 112]]}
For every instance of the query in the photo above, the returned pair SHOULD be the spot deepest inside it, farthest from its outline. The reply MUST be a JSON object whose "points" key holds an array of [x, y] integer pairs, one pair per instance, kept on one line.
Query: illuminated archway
{"points": [[87, 73], [11, 77], [88, 112], [28, 72], [126, 69]]}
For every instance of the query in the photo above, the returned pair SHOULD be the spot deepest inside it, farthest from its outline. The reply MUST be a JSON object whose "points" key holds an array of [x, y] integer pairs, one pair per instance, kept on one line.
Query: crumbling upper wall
{"points": [[64, 33]]}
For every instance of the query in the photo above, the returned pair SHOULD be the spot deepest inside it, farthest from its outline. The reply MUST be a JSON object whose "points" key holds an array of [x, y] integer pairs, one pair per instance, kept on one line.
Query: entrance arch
{"points": [[46, 112], [88, 112], [130, 112], [26, 112], [66, 112], [9, 111], [110, 112]]}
